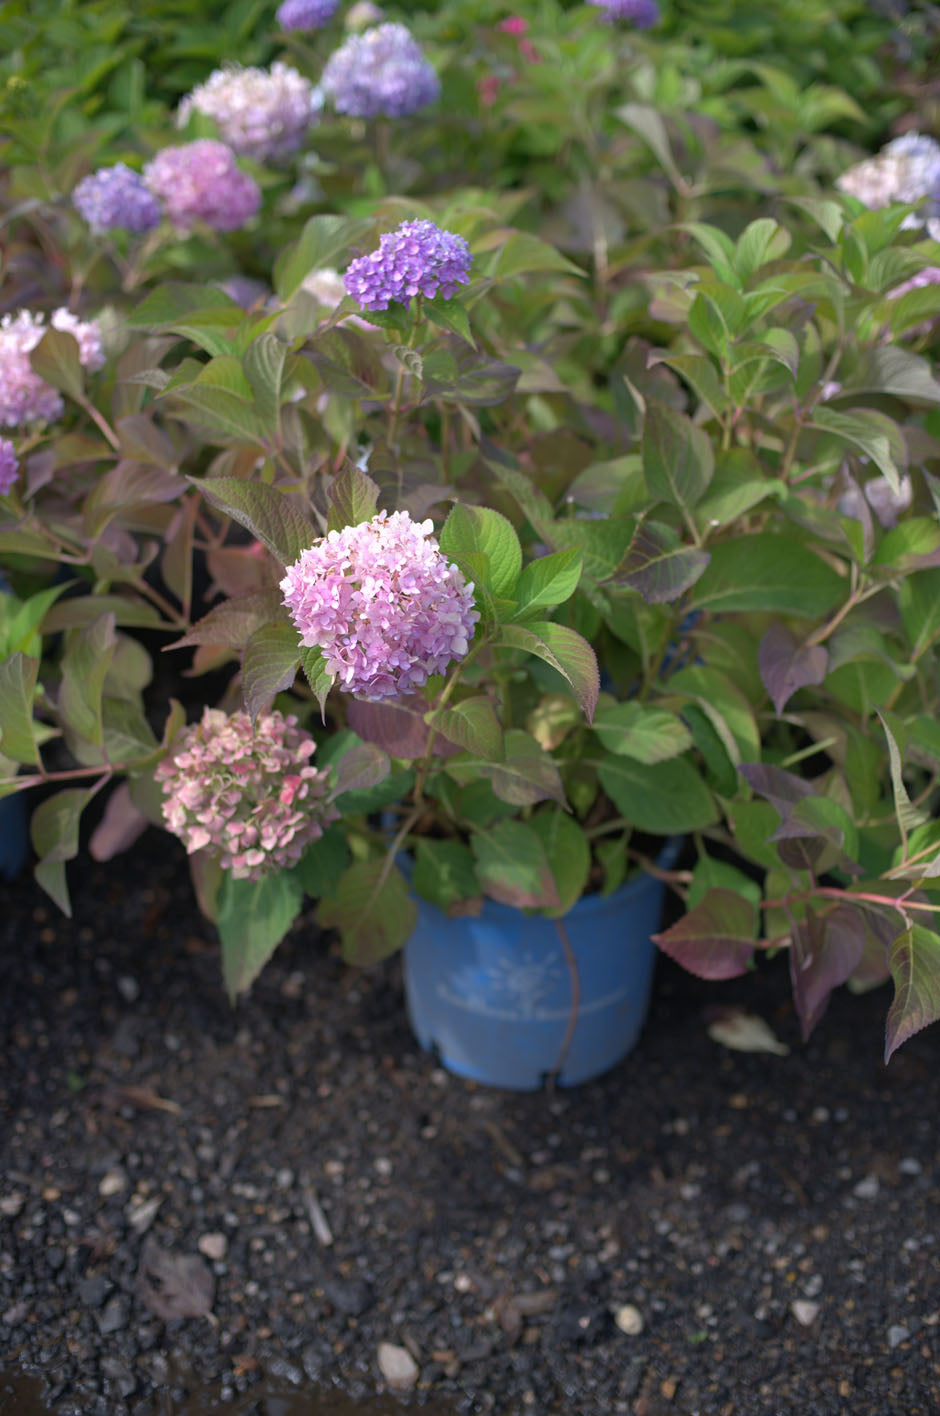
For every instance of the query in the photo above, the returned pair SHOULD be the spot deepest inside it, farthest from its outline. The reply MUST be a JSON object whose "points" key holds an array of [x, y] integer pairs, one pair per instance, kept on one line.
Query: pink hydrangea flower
{"points": [[24, 396], [201, 181], [9, 466], [383, 604], [260, 113], [249, 796]]}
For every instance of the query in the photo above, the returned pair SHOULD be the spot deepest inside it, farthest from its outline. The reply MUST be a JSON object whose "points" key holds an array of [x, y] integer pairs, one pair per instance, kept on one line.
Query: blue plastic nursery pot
{"points": [[492, 995], [14, 836]]}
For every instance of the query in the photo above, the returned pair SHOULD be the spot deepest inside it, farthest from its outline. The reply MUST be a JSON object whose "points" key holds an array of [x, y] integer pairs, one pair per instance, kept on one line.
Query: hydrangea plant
{"points": [[601, 508]]}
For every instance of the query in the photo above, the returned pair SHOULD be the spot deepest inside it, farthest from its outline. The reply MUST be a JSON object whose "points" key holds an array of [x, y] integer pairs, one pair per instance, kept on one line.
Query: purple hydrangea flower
{"points": [[249, 795], [24, 396], [380, 72], [644, 14], [9, 466], [416, 259], [906, 170], [306, 14], [383, 604], [116, 197], [200, 181], [259, 113]]}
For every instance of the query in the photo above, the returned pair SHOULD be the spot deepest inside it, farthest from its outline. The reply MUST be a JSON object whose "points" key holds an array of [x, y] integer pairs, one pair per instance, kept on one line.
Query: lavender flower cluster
{"points": [[418, 258], [306, 14], [380, 73], [906, 170], [24, 396], [116, 197], [644, 14], [200, 181], [259, 113], [383, 604], [250, 796], [9, 466]]}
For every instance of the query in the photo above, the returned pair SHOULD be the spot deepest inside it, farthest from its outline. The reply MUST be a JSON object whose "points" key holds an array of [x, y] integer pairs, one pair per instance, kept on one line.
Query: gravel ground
{"points": [[700, 1231]]}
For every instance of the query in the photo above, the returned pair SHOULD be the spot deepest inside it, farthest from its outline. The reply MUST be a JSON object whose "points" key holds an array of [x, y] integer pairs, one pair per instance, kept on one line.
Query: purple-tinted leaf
{"points": [[659, 573], [233, 622], [824, 951], [174, 1285], [786, 665], [716, 939], [269, 665], [119, 827], [678, 461], [915, 968], [526, 775], [398, 728], [782, 789], [56, 360], [816, 834], [363, 765], [473, 725]]}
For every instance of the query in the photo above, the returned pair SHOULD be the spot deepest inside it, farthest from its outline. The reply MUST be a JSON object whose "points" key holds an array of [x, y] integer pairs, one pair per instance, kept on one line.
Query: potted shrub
{"points": [[719, 493]]}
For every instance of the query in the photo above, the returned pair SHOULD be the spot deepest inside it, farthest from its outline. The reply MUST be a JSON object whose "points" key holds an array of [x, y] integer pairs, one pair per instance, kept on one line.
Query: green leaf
{"points": [[353, 498], [54, 832], [268, 514], [189, 309], [912, 545], [907, 815], [678, 462], [563, 648], [221, 411], [264, 364], [522, 253], [648, 125], [360, 768], [269, 665], [526, 775], [56, 360], [450, 315], [567, 852], [323, 863], [715, 939], [550, 580], [646, 734], [919, 603], [768, 571], [18, 676], [664, 798], [473, 725], [513, 868], [915, 967], [444, 874], [323, 239], [315, 672], [253, 917], [372, 909], [84, 665], [866, 430], [478, 529], [711, 874], [761, 241]]}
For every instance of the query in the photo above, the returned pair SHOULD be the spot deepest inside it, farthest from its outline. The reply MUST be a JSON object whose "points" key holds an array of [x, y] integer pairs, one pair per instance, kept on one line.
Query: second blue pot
{"points": [[493, 994]]}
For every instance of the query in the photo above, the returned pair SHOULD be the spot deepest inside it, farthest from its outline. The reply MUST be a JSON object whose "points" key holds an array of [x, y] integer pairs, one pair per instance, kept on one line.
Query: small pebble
{"points": [[397, 1366], [804, 1311], [113, 1183], [867, 1189], [10, 1205], [629, 1319], [897, 1333], [910, 1166], [214, 1246]]}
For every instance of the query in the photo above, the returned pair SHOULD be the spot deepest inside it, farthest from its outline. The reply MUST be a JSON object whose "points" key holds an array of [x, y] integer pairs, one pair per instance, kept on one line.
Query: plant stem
{"points": [[572, 963]]}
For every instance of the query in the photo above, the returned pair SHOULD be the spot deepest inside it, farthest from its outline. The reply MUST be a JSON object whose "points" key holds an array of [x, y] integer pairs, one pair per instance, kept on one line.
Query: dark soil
{"points": [[774, 1222]]}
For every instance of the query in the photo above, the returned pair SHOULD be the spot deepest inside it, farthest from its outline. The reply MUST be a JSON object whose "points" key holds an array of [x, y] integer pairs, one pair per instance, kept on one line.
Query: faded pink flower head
{"points": [[248, 795], [201, 181], [383, 604], [9, 466], [24, 396]]}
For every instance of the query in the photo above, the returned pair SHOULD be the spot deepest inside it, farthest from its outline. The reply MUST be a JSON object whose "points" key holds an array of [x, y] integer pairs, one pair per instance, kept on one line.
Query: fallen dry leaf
{"points": [[174, 1285], [745, 1032]]}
